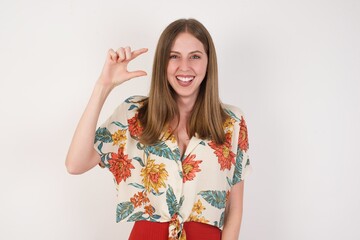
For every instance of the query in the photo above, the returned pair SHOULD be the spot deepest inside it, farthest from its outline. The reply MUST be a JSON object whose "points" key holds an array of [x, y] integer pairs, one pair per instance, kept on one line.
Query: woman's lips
{"points": [[185, 80]]}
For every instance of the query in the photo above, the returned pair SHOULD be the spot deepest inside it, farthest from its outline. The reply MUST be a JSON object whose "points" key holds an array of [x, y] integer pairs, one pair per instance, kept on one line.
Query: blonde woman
{"points": [[178, 156]]}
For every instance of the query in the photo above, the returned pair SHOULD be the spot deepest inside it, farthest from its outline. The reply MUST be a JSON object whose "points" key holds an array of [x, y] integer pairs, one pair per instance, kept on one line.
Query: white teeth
{"points": [[185, 79]]}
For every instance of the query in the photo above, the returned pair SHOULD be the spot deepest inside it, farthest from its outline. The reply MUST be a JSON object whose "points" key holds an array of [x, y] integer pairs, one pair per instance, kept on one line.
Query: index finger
{"points": [[138, 52]]}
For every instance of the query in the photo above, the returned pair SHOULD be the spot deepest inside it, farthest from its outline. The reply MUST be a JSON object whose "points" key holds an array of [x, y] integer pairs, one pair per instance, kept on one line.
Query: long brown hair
{"points": [[207, 117]]}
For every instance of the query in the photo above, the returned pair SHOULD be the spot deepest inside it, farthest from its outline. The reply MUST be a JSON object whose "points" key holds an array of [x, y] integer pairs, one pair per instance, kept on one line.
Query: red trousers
{"points": [[146, 230]]}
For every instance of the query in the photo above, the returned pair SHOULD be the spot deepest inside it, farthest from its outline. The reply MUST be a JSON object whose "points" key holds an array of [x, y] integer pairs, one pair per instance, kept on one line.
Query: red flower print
{"points": [[149, 210], [243, 136], [139, 199], [190, 167], [120, 165], [225, 156], [134, 126]]}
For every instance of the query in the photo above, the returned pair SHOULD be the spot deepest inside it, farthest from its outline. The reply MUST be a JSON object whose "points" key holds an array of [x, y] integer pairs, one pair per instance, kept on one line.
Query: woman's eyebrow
{"points": [[196, 51]]}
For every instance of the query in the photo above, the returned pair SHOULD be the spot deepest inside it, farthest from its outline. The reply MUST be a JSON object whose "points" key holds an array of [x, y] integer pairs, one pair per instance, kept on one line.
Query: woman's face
{"points": [[187, 66]]}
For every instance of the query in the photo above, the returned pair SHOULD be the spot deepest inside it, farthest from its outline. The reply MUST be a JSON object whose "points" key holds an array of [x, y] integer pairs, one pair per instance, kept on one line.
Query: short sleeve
{"points": [[242, 163], [111, 134]]}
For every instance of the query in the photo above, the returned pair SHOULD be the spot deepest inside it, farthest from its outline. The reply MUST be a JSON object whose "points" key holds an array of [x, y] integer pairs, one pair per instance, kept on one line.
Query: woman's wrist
{"points": [[101, 89]]}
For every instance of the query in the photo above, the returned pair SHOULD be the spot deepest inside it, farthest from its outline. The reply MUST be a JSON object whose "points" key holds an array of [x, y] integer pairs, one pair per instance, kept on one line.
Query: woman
{"points": [[178, 156]]}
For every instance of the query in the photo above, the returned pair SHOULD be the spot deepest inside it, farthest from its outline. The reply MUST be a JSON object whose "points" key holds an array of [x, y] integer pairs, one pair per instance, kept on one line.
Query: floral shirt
{"points": [[155, 183]]}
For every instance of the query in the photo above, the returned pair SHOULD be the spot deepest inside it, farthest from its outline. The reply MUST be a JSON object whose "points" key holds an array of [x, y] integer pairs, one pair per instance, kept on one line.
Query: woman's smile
{"points": [[185, 80]]}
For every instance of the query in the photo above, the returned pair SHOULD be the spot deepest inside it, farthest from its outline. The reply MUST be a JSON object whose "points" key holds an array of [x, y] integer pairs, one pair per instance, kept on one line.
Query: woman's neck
{"points": [[185, 106]]}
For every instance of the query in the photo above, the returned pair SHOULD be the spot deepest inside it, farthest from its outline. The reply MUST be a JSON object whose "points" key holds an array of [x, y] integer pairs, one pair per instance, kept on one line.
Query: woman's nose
{"points": [[184, 64]]}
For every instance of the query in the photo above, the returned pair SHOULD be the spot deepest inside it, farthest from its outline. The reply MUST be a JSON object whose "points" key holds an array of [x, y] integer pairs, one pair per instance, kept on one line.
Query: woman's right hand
{"points": [[115, 70], [81, 155]]}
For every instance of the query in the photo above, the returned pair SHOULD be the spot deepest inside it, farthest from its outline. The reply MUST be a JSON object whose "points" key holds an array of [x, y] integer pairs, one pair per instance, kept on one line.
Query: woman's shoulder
{"points": [[136, 99], [132, 103], [233, 111], [129, 106]]}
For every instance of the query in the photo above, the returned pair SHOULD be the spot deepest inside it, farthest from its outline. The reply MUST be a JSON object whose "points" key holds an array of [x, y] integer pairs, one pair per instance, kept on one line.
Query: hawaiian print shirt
{"points": [[155, 183]]}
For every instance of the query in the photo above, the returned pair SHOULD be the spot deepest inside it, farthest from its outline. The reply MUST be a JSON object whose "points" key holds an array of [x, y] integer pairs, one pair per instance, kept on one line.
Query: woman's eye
{"points": [[195, 57], [173, 56]]}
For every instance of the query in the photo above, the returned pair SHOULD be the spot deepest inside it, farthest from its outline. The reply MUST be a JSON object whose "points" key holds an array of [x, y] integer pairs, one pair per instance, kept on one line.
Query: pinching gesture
{"points": [[115, 70]]}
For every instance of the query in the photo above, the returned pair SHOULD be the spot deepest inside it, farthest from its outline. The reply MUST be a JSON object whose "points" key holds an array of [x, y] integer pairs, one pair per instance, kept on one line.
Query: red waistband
{"points": [[146, 230]]}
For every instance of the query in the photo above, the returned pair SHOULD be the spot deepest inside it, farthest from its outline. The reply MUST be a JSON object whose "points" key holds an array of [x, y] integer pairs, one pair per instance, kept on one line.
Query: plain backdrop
{"points": [[293, 67]]}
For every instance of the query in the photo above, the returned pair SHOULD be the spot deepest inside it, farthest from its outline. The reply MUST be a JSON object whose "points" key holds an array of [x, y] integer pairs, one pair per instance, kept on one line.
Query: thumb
{"points": [[135, 74]]}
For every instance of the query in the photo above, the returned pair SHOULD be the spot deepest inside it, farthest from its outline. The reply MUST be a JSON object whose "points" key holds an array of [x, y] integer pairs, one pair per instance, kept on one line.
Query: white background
{"points": [[292, 66]]}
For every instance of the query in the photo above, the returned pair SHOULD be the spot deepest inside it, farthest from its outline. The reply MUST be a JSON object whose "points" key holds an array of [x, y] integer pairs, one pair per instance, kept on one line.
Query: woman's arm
{"points": [[82, 156], [233, 214]]}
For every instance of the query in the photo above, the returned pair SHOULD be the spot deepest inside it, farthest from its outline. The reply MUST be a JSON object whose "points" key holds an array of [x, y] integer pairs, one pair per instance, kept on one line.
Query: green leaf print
{"points": [[132, 107], [100, 147], [162, 150], [140, 161], [119, 124], [156, 193], [215, 198], [171, 201], [155, 217], [128, 100], [238, 167], [247, 162], [181, 201], [229, 181], [137, 185], [105, 159], [123, 210], [140, 146], [176, 152], [181, 174], [103, 135], [231, 114], [136, 217], [222, 218]]}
